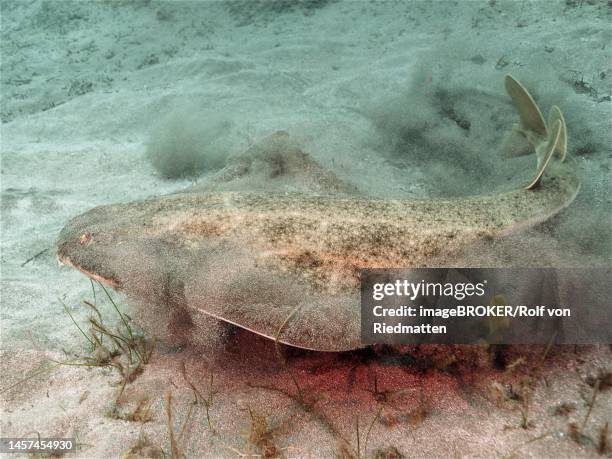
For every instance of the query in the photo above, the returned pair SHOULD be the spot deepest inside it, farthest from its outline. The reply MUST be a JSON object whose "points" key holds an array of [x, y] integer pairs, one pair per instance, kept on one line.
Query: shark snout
{"points": [[85, 241]]}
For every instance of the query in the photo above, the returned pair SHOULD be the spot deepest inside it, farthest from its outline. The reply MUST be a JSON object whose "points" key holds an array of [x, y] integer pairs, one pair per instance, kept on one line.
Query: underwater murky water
{"points": [[115, 102]]}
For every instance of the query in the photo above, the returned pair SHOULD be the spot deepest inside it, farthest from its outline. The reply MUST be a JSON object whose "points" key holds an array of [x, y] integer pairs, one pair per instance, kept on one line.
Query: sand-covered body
{"points": [[252, 258]]}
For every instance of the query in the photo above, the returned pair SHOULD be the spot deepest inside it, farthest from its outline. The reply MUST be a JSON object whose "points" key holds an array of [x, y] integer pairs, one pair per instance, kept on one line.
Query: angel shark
{"points": [[254, 259]]}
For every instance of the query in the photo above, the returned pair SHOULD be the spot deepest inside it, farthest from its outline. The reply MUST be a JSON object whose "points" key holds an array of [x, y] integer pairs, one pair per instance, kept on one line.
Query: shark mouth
{"points": [[63, 260]]}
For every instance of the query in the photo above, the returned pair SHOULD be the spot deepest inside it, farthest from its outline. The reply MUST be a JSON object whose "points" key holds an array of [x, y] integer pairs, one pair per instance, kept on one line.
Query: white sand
{"points": [[83, 84]]}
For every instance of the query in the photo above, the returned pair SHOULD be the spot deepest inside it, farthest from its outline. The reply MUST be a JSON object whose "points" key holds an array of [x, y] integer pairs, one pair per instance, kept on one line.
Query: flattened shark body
{"points": [[253, 259]]}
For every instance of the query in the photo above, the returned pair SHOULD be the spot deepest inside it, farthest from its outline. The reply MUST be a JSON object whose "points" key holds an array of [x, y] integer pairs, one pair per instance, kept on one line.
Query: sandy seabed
{"points": [[86, 84]]}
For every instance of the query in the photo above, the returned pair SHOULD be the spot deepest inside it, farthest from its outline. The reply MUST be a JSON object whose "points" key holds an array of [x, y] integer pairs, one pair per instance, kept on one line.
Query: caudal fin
{"points": [[554, 115], [532, 124], [547, 153], [534, 135]]}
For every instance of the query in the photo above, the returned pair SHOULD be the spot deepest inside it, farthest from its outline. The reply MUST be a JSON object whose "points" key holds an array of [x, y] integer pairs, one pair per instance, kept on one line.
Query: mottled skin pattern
{"points": [[319, 242], [254, 259]]}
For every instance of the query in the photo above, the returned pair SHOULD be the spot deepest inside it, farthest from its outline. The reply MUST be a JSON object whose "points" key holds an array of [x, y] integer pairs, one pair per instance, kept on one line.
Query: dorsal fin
{"points": [[554, 115], [532, 120], [546, 155]]}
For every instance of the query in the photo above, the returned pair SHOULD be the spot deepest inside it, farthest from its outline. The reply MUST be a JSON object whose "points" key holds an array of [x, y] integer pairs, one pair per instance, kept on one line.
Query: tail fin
{"points": [[532, 121], [547, 151], [543, 138], [554, 115]]}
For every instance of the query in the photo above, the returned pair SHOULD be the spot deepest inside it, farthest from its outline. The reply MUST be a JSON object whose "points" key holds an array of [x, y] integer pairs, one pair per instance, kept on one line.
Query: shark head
{"points": [[91, 243]]}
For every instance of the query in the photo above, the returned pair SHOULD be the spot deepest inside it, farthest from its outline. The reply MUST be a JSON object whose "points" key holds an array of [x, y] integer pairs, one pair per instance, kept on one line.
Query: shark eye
{"points": [[85, 238]]}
